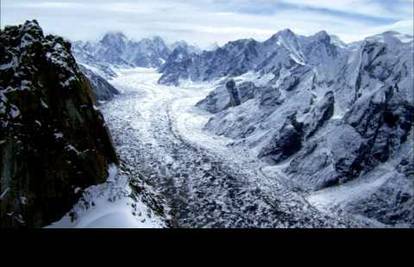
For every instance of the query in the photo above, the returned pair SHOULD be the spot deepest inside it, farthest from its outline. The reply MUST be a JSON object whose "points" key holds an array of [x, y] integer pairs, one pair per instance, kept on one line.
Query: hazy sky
{"points": [[207, 21]]}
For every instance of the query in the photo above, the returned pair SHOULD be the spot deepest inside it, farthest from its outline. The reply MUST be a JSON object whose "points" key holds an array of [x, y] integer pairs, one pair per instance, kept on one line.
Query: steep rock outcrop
{"points": [[178, 62], [53, 141], [233, 93], [319, 115], [286, 142]]}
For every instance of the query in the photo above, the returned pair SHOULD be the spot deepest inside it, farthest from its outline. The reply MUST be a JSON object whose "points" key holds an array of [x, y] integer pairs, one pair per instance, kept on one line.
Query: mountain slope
{"points": [[102, 89], [322, 112]]}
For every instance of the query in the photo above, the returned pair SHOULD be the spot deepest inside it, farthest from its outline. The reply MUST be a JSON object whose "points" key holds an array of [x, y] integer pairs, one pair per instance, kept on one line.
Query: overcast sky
{"points": [[207, 21]]}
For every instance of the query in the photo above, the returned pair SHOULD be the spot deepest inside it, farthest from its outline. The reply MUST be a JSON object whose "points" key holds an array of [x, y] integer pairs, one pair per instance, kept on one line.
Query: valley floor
{"points": [[204, 180]]}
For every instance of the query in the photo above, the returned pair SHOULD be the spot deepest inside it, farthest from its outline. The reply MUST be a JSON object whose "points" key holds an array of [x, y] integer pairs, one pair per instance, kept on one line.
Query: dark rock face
{"points": [[270, 97], [247, 91], [53, 142], [178, 61], [102, 89], [285, 143], [233, 93], [384, 121], [319, 115], [348, 150], [217, 101]]}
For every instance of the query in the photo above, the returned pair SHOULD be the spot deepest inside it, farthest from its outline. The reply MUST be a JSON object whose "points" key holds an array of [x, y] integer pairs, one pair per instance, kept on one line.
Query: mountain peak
{"points": [[321, 36], [157, 39], [286, 34], [114, 38], [31, 25], [31, 30]]}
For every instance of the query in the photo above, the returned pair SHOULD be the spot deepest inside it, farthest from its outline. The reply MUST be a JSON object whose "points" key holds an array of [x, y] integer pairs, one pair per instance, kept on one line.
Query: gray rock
{"points": [[286, 142], [102, 89], [233, 93], [319, 115]]}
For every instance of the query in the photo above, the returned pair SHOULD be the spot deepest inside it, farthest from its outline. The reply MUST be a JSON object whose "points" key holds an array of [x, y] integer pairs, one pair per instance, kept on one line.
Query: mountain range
{"points": [[324, 112], [327, 116], [115, 49]]}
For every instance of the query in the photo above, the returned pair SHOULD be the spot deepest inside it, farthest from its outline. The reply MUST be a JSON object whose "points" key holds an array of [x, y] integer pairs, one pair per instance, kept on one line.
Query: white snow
{"points": [[256, 78], [11, 64], [112, 208], [3, 194], [58, 135], [68, 81], [43, 104], [23, 200], [337, 197], [14, 111], [72, 148]]}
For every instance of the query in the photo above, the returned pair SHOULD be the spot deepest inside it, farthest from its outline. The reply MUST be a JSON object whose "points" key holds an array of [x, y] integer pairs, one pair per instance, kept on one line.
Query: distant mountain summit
{"points": [[115, 50], [184, 45], [283, 48]]}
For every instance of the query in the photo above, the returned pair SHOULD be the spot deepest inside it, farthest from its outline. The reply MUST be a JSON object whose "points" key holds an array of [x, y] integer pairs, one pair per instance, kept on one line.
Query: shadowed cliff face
{"points": [[53, 141]]}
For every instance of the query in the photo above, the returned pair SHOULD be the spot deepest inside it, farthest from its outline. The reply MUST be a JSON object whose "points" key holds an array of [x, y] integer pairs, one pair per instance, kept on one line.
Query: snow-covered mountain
{"points": [[184, 45], [324, 113], [115, 49], [284, 49], [300, 131]]}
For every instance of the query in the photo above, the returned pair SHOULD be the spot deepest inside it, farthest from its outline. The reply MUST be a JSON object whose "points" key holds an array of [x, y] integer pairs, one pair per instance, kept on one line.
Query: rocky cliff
{"points": [[53, 140]]}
